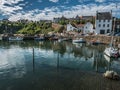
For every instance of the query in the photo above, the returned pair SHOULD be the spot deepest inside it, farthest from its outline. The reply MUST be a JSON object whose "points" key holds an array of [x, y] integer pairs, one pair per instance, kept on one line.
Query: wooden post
{"points": [[97, 56], [33, 61], [58, 62]]}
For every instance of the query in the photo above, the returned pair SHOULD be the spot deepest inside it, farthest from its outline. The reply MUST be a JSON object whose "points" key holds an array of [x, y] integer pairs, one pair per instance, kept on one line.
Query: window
{"points": [[99, 20], [102, 31], [103, 25], [103, 20], [108, 25], [99, 25], [108, 30], [108, 20]]}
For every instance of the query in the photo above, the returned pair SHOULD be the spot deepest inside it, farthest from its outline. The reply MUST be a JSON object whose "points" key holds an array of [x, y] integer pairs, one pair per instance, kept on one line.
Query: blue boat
{"points": [[39, 38]]}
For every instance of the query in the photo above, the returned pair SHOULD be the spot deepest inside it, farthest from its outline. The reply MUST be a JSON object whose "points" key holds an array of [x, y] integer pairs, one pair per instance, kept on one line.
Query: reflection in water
{"points": [[109, 60], [23, 65], [33, 60], [12, 59], [58, 62], [112, 63], [65, 54]]}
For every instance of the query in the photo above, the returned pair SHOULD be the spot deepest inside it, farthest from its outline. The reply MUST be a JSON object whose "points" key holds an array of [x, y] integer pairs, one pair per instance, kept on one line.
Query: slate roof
{"points": [[104, 16], [87, 17]]}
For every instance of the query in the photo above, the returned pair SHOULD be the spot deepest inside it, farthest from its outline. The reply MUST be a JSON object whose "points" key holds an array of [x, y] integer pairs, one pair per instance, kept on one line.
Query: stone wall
{"points": [[103, 39]]}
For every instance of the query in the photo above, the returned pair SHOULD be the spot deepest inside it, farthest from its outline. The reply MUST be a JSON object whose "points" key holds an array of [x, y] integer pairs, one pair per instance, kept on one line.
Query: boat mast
{"points": [[111, 43], [114, 19], [113, 32]]}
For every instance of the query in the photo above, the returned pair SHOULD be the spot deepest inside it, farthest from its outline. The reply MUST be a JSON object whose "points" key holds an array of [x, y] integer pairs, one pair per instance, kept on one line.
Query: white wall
{"points": [[103, 28], [70, 27], [88, 28]]}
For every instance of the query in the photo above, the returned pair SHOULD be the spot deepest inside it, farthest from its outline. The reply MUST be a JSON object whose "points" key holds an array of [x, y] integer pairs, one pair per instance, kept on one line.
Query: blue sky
{"points": [[47, 9]]}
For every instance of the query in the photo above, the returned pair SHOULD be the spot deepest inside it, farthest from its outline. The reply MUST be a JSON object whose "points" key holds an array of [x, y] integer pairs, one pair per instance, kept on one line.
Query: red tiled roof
{"points": [[80, 25]]}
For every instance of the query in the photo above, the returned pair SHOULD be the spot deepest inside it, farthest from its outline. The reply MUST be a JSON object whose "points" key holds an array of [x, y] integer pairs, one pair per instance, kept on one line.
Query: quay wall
{"points": [[103, 39]]}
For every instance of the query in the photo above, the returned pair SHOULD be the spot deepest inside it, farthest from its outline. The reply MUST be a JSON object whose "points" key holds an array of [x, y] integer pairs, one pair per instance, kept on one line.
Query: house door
{"points": [[102, 31]]}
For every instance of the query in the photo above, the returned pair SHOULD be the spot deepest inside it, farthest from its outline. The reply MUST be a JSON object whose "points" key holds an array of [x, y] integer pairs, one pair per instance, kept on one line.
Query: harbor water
{"points": [[53, 65]]}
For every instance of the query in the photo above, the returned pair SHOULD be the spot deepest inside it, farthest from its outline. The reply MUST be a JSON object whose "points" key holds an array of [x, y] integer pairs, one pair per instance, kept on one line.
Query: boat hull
{"points": [[111, 52], [15, 38], [79, 41], [39, 39]]}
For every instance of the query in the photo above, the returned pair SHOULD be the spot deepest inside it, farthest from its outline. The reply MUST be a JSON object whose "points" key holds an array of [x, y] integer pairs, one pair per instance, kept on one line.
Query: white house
{"points": [[88, 28], [103, 22], [71, 27]]}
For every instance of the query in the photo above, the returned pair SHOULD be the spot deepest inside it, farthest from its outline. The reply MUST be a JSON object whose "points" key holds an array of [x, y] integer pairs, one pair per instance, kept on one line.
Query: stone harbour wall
{"points": [[103, 39]]}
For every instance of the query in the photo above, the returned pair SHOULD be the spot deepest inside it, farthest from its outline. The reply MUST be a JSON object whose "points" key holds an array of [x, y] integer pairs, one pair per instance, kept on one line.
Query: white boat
{"points": [[64, 39], [107, 58], [15, 38], [61, 39], [81, 40], [111, 52]]}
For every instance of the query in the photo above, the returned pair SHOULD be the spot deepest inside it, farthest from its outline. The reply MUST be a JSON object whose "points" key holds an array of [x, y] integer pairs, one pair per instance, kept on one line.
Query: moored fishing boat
{"points": [[95, 42], [64, 39], [81, 40], [39, 38], [15, 38]]}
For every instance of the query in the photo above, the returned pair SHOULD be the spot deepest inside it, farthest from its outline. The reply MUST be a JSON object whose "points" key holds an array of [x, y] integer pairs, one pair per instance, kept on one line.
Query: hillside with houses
{"points": [[103, 23]]}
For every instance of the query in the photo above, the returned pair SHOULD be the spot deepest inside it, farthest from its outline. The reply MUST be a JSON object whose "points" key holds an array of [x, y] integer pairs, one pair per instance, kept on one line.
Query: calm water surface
{"points": [[52, 65]]}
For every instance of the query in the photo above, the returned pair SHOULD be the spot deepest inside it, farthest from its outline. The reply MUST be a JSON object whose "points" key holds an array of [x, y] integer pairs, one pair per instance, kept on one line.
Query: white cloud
{"points": [[39, 1], [81, 1], [8, 7], [11, 9], [54, 1], [100, 1], [66, 2], [11, 2], [0, 1], [49, 13]]}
